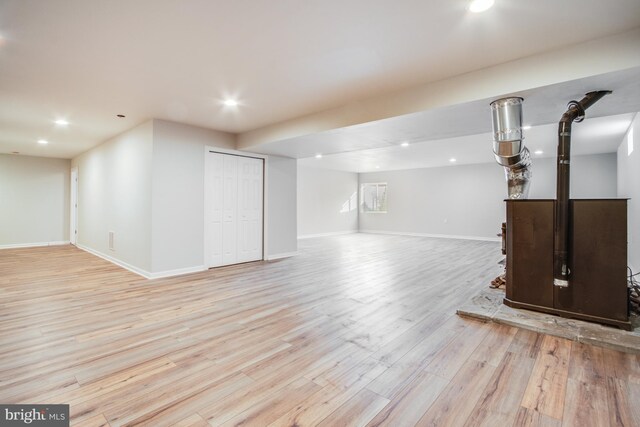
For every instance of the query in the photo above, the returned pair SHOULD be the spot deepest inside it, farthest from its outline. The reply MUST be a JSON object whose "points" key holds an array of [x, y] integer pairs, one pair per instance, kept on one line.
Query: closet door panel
{"points": [[230, 211], [250, 194], [214, 211]]}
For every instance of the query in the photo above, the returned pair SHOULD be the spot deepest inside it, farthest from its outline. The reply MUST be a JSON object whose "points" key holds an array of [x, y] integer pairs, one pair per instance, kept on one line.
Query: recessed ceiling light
{"points": [[527, 127], [405, 144], [318, 156], [61, 122], [230, 102], [377, 167], [477, 6], [452, 160], [538, 152], [43, 141]]}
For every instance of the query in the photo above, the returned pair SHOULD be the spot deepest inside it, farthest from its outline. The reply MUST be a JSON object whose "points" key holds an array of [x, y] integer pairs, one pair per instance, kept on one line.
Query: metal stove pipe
{"points": [[575, 113], [508, 145]]}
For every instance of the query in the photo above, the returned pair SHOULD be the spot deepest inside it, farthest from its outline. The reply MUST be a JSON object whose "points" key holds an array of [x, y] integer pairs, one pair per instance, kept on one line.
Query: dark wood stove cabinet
{"points": [[597, 288]]}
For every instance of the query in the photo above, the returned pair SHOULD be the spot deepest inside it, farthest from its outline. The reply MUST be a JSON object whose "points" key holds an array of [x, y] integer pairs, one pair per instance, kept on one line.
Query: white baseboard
{"points": [[280, 256], [116, 261], [141, 272], [334, 233], [34, 245], [440, 236], [176, 272]]}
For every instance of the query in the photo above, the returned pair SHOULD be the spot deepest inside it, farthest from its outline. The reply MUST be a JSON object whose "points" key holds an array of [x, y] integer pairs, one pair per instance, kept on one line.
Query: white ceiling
{"points": [[592, 136], [87, 61], [463, 130]]}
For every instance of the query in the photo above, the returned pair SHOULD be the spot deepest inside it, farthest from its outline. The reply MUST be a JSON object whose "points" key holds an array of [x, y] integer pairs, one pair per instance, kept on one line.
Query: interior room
{"points": [[361, 213]]}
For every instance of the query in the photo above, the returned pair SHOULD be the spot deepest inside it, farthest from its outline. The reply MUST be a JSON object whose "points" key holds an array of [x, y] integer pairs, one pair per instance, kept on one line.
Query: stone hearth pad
{"points": [[487, 305]]}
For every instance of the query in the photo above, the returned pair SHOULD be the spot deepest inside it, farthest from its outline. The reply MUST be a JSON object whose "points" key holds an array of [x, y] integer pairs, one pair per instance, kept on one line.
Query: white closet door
{"points": [[233, 209], [250, 181], [230, 210], [213, 199]]}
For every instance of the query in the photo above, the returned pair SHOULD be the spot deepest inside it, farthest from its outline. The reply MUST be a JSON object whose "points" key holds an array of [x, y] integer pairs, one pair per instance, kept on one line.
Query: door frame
{"points": [[265, 196], [73, 202]]}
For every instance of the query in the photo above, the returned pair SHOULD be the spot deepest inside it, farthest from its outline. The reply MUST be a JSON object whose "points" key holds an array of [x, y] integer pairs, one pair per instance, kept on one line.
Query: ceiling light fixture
{"points": [[61, 122], [377, 167], [405, 144], [538, 152], [452, 160], [230, 102], [318, 156], [43, 141], [527, 127], [477, 6]]}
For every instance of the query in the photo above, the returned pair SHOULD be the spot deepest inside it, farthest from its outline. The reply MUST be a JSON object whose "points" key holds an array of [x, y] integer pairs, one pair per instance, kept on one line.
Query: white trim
{"points": [[176, 272], [215, 149], [34, 245], [265, 196], [439, 236], [115, 261], [141, 272], [280, 256], [73, 214], [361, 198], [333, 233]]}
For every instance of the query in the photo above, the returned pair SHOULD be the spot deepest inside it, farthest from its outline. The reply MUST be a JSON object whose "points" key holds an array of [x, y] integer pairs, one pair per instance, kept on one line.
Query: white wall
{"points": [[281, 228], [592, 177], [327, 201], [114, 194], [467, 200], [147, 185], [178, 193], [629, 187], [34, 200], [178, 197]]}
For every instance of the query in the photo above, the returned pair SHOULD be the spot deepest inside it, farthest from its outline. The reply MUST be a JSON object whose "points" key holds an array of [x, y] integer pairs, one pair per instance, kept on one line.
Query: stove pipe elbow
{"points": [[508, 145]]}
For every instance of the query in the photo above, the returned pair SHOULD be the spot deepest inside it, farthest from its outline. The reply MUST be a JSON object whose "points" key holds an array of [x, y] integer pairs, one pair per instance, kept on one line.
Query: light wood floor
{"points": [[356, 330]]}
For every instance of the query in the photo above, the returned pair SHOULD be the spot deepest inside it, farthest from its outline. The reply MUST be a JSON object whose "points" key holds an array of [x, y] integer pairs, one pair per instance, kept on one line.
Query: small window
{"points": [[373, 197]]}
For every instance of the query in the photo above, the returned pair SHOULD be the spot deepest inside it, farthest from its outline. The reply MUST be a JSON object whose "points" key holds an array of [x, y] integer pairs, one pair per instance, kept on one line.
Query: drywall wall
{"points": [[592, 177], [178, 198], [34, 200], [281, 220], [327, 201], [177, 220], [467, 200], [114, 195], [629, 187], [147, 186]]}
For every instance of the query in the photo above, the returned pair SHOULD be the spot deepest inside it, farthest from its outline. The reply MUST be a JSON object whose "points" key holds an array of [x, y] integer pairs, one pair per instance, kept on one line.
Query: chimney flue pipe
{"points": [[575, 112], [508, 145]]}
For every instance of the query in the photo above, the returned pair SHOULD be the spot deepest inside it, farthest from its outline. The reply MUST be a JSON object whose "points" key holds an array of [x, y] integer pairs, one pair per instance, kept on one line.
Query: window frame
{"points": [[377, 184]]}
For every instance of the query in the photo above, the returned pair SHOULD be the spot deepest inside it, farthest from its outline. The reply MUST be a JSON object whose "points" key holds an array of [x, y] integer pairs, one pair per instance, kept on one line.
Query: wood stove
{"points": [[598, 259], [565, 257]]}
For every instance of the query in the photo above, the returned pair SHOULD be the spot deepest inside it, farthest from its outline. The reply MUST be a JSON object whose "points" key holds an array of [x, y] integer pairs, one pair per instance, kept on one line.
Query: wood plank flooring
{"points": [[357, 330]]}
